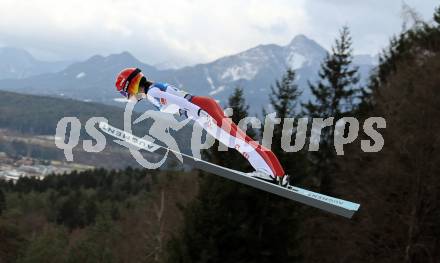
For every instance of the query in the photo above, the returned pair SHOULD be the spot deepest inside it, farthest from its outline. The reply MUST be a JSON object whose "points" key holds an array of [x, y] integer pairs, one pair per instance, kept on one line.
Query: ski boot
{"points": [[284, 181], [265, 176]]}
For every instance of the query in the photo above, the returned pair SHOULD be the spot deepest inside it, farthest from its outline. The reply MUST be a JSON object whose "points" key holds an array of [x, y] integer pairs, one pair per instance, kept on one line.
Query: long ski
{"points": [[330, 204]]}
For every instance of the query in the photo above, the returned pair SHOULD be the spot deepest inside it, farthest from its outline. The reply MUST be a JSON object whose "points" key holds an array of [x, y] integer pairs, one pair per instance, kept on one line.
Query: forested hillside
{"points": [[22, 117], [93, 216], [40, 115]]}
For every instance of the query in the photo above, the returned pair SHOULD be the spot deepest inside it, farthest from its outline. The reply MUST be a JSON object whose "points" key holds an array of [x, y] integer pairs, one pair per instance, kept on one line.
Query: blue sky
{"points": [[193, 31]]}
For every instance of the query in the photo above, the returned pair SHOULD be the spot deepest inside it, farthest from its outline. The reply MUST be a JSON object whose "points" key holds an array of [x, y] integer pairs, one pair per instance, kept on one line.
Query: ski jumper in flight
{"points": [[132, 84]]}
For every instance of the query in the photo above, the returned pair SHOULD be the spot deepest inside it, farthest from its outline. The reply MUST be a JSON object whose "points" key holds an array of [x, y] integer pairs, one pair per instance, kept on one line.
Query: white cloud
{"points": [[195, 30], [189, 30], [372, 22]]}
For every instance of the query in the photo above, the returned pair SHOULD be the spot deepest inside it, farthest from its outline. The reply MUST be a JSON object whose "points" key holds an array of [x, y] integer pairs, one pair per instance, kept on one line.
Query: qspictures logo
{"points": [[307, 134]]}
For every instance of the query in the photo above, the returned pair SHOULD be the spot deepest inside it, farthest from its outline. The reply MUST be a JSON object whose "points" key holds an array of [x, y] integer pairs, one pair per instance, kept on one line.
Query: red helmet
{"points": [[126, 81]]}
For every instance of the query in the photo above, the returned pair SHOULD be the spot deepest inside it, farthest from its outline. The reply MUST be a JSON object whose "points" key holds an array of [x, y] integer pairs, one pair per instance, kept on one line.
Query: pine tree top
{"points": [[335, 92]]}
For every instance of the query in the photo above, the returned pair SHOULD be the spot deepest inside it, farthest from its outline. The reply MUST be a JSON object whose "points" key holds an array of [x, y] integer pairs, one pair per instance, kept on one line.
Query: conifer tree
{"points": [[335, 93], [333, 96], [285, 94], [284, 98], [437, 16]]}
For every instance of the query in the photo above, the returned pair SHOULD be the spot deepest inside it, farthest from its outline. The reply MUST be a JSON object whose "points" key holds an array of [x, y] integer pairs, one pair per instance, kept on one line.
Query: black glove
{"points": [[202, 113], [183, 113]]}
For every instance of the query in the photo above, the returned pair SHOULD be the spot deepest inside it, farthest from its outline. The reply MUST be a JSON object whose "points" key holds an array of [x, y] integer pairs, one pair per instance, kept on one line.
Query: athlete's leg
{"points": [[254, 158], [229, 134]]}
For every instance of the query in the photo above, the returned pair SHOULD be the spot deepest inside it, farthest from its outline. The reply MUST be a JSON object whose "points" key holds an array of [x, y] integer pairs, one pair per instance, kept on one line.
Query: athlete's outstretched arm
{"points": [[182, 103]]}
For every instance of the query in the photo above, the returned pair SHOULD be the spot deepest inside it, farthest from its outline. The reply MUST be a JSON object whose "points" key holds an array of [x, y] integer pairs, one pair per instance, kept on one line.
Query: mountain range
{"points": [[17, 63], [255, 70]]}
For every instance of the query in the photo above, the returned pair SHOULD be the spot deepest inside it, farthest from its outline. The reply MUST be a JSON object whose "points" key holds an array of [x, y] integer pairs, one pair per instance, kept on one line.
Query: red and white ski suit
{"points": [[169, 99]]}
